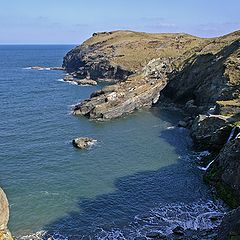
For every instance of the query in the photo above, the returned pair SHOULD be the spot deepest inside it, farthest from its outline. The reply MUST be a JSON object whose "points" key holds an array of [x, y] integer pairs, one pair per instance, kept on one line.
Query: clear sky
{"points": [[72, 21]]}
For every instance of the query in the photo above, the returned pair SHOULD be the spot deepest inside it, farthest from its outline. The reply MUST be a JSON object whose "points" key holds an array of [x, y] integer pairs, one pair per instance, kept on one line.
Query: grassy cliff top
{"points": [[133, 50]]}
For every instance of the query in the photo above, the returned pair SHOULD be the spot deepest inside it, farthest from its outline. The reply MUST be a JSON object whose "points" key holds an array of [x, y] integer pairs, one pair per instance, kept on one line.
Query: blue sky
{"points": [[72, 21]]}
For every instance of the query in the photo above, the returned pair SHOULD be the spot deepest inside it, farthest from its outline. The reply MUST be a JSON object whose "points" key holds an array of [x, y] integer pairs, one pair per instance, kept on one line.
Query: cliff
{"points": [[188, 69], [118, 54]]}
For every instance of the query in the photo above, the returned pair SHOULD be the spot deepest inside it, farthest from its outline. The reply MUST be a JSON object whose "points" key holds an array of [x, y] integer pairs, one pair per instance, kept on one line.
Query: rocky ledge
{"points": [[70, 78], [4, 217], [116, 100]]}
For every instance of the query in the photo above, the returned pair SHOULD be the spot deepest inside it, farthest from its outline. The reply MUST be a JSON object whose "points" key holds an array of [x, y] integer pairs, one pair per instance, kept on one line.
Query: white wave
{"points": [[70, 82], [27, 68], [207, 167], [60, 80], [171, 127], [195, 216], [231, 134], [40, 235]]}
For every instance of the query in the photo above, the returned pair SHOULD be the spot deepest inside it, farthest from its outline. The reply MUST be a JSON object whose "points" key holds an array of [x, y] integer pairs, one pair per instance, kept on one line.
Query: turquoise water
{"points": [[141, 167]]}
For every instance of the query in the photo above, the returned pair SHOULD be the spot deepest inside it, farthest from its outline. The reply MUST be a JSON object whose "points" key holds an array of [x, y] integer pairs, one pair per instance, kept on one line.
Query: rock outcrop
{"points": [[83, 142], [70, 78], [120, 99], [4, 217]]}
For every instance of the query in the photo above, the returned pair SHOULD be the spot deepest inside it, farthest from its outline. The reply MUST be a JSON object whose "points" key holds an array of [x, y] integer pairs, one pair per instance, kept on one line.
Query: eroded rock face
{"points": [[230, 226], [207, 78], [4, 217]]}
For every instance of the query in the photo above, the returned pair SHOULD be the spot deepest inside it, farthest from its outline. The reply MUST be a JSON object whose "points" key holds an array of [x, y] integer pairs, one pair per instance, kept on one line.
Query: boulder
{"points": [[83, 142]]}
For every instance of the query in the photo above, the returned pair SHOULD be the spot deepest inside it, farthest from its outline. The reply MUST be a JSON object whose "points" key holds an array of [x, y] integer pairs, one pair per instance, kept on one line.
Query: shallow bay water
{"points": [[140, 176]]}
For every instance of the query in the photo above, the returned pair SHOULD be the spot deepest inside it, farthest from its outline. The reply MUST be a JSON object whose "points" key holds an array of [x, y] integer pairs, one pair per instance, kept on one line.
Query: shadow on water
{"points": [[136, 194]]}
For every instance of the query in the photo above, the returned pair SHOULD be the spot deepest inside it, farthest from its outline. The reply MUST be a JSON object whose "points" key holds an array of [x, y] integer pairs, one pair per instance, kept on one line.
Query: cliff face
{"points": [[4, 217], [118, 54], [207, 78]]}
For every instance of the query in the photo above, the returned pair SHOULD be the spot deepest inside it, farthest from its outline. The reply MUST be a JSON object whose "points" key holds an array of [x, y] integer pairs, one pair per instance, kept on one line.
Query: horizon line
{"points": [[1, 44]]}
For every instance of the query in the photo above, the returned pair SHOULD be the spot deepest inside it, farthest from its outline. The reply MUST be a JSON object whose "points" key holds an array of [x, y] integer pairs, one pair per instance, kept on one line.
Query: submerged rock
{"points": [[83, 142]]}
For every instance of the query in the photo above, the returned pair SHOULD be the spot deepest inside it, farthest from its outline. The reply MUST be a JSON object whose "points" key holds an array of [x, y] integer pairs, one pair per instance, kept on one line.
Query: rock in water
{"points": [[83, 142], [86, 82], [4, 217]]}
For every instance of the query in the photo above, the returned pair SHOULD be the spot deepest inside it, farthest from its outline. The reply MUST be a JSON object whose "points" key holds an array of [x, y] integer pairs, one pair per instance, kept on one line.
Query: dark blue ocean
{"points": [[141, 176]]}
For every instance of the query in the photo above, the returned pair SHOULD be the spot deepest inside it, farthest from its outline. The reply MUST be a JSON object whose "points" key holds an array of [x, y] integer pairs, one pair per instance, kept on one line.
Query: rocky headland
{"points": [[197, 75]]}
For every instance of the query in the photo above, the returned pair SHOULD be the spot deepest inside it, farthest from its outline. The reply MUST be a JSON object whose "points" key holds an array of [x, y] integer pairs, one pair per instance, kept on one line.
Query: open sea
{"points": [[141, 176]]}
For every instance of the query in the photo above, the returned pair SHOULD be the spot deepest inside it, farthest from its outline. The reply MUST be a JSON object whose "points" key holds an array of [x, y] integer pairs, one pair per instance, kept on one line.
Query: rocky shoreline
{"points": [[199, 76]]}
